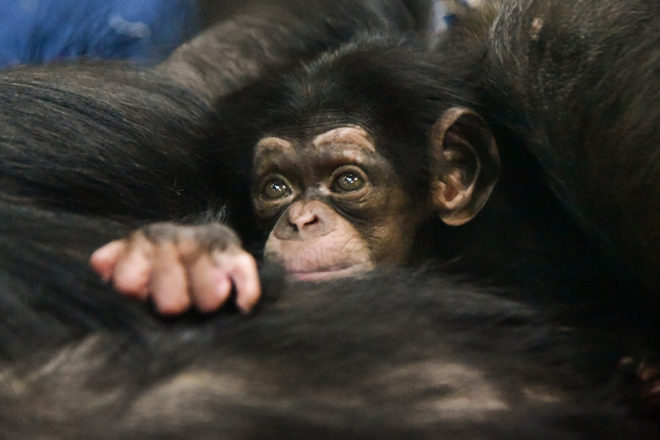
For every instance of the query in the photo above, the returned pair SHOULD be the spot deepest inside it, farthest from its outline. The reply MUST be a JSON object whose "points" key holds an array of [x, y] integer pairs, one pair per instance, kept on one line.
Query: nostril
{"points": [[312, 221], [304, 221]]}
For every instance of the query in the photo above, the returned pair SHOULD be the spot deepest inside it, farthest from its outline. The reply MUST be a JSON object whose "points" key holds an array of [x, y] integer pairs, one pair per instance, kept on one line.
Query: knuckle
{"points": [[244, 260], [216, 236], [191, 239], [135, 245], [158, 233]]}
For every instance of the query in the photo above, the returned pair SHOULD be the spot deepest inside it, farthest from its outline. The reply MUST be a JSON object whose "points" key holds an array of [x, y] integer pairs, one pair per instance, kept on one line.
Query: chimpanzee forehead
{"points": [[351, 137], [348, 135]]}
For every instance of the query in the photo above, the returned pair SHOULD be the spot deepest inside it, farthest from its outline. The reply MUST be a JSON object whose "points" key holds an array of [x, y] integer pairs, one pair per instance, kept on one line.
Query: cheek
{"points": [[391, 242], [341, 252], [391, 234]]}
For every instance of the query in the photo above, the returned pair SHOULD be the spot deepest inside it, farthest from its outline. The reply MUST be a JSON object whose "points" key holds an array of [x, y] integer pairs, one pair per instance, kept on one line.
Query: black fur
{"points": [[393, 355], [577, 83]]}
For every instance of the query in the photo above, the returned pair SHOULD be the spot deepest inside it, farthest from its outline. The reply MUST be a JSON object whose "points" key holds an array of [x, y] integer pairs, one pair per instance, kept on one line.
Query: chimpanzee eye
{"points": [[276, 189], [348, 181]]}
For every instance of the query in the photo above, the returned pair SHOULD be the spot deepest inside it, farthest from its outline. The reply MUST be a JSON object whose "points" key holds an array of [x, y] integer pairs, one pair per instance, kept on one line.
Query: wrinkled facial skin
{"points": [[337, 205]]}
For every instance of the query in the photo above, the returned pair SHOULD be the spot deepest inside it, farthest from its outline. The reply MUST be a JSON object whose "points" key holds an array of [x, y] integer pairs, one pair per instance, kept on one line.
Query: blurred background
{"points": [[145, 31]]}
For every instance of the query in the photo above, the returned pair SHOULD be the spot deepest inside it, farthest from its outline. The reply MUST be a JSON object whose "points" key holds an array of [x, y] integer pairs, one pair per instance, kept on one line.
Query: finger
{"points": [[169, 286], [133, 269], [245, 276], [103, 260], [210, 284]]}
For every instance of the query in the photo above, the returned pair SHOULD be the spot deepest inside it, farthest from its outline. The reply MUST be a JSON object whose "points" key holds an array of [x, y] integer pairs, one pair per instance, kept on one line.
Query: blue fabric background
{"points": [[36, 31]]}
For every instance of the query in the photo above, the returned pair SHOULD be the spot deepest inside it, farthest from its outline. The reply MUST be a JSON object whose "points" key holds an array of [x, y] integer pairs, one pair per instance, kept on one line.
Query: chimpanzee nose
{"points": [[304, 220], [307, 218]]}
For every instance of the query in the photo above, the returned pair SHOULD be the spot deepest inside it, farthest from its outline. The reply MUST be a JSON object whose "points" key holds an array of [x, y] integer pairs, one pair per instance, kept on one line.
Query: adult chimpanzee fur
{"points": [[577, 84], [89, 152], [397, 355]]}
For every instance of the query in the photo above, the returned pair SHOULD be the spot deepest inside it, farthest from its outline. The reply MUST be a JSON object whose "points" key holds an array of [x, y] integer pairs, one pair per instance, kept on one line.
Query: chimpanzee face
{"points": [[334, 202], [337, 207]]}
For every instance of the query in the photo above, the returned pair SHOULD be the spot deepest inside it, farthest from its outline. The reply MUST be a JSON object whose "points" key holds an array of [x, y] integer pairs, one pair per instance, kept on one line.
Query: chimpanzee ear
{"points": [[464, 165]]}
